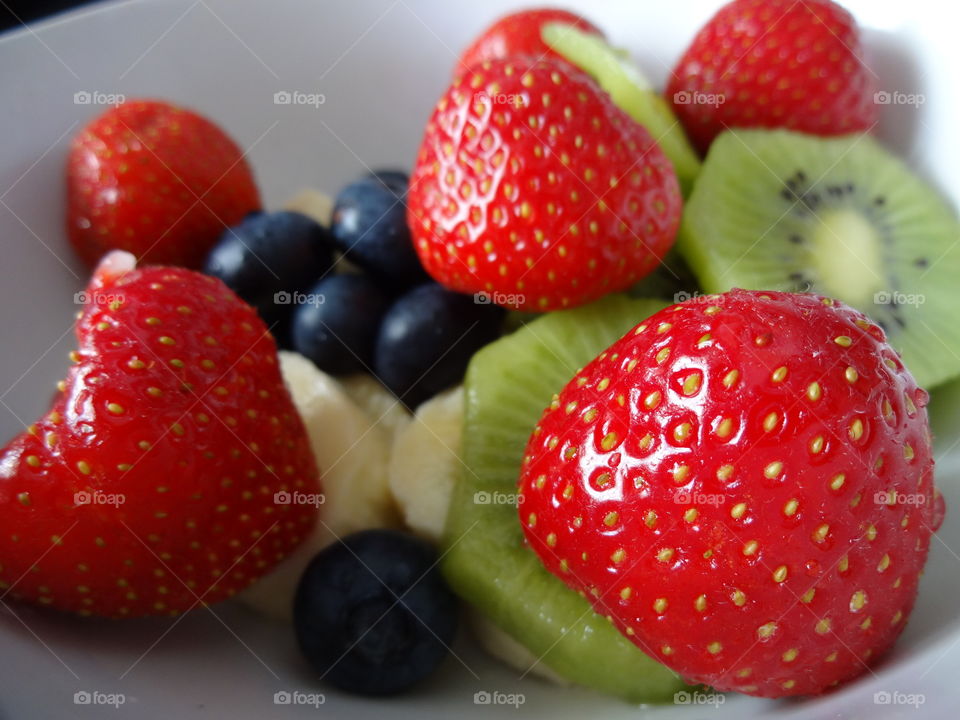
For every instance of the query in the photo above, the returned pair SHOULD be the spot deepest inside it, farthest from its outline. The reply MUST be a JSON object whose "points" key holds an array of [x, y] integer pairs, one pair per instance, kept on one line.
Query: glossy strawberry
{"points": [[149, 487], [519, 34], [774, 63], [532, 186], [744, 484], [156, 180]]}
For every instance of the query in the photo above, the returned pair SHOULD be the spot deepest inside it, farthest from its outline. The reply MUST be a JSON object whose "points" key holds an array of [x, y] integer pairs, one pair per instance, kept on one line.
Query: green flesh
{"points": [[778, 210], [944, 412], [508, 385], [630, 90]]}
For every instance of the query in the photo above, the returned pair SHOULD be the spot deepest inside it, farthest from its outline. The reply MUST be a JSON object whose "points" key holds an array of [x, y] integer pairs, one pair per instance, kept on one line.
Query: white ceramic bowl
{"points": [[380, 65]]}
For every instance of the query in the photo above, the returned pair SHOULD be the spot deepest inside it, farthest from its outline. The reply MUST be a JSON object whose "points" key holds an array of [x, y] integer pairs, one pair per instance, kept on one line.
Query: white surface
{"points": [[381, 65]]}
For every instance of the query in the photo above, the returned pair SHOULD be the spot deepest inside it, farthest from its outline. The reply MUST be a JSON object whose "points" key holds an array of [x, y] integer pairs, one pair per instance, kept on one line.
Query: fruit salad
{"points": [[625, 380]]}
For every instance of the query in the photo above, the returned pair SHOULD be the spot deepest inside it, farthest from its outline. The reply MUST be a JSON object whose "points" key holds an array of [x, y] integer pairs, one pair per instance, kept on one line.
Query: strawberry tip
{"points": [[113, 265]]}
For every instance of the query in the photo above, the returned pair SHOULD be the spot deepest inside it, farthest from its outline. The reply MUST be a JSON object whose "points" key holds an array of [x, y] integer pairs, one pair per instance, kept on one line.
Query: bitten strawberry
{"points": [[519, 34], [744, 484], [774, 63], [149, 487], [531, 185], [156, 180]]}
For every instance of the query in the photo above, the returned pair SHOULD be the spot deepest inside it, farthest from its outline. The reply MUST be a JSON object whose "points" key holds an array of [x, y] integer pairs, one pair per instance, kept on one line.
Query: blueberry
{"points": [[427, 339], [270, 256], [372, 614], [337, 325], [370, 227], [395, 180]]}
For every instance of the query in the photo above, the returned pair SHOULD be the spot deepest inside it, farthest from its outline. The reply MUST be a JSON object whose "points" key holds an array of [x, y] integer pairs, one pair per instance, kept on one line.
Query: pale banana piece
{"points": [[425, 462], [313, 204], [507, 650], [352, 453], [378, 402]]}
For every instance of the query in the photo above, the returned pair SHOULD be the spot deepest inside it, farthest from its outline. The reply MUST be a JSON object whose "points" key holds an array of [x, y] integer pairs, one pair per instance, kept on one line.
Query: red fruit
{"points": [[774, 64], [156, 180], [519, 34], [744, 483], [148, 488], [533, 186]]}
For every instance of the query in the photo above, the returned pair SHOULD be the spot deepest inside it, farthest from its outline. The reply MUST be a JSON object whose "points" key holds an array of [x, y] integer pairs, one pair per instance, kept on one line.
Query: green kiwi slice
{"points": [[630, 90], [508, 384], [778, 210], [944, 412]]}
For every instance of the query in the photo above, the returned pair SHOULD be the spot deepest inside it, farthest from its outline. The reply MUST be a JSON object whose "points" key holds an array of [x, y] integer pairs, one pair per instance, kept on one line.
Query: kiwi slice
{"points": [[630, 90], [508, 385], [778, 210], [944, 412]]}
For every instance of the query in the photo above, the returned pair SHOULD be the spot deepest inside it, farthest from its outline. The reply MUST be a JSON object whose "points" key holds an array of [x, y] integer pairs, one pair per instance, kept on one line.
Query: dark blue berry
{"points": [[395, 180], [427, 338], [268, 258], [337, 321], [370, 228], [372, 614]]}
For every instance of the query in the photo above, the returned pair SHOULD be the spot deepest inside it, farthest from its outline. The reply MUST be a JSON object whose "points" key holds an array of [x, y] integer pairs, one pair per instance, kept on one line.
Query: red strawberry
{"points": [[519, 34], [155, 180], [745, 485], [774, 63], [149, 486], [533, 186]]}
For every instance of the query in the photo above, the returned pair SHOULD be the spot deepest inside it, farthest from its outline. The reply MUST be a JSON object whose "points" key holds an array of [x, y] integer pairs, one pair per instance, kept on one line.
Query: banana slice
{"points": [[313, 204], [352, 453], [425, 462], [378, 402], [424, 465]]}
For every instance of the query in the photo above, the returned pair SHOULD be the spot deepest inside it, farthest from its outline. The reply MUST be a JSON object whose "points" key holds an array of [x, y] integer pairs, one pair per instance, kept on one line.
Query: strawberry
{"points": [[774, 63], [149, 487], [744, 484], [156, 180], [519, 34], [531, 185]]}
